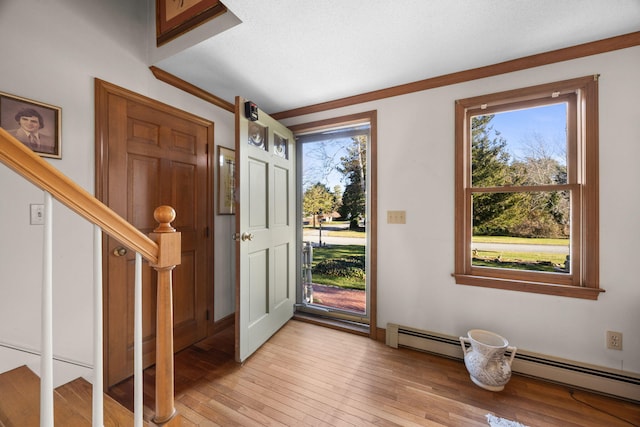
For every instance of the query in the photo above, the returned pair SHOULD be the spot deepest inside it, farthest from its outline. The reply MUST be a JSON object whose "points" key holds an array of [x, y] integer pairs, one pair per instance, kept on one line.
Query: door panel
{"points": [[153, 155], [257, 209], [258, 279], [281, 197], [265, 155], [281, 263]]}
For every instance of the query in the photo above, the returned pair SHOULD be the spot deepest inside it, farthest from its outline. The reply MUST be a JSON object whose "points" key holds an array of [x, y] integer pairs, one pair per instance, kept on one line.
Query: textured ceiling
{"points": [[292, 53]]}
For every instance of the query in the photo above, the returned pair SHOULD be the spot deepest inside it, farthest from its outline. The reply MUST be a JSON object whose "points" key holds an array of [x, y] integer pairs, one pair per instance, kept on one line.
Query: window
{"points": [[527, 189]]}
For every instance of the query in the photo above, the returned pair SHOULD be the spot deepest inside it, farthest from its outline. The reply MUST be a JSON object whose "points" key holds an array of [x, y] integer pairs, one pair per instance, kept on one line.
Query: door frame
{"points": [[372, 201], [103, 89]]}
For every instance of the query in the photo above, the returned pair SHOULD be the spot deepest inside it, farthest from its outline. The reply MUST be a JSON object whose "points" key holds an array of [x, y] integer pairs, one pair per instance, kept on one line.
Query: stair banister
{"points": [[40, 173], [169, 243], [138, 401], [46, 313], [162, 251], [97, 404]]}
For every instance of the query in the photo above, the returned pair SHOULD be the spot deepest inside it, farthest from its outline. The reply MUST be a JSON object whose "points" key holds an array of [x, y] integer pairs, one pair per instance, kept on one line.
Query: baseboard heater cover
{"points": [[599, 379]]}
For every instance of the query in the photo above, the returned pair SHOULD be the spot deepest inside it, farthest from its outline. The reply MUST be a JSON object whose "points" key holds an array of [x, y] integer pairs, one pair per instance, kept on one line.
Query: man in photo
{"points": [[30, 122]]}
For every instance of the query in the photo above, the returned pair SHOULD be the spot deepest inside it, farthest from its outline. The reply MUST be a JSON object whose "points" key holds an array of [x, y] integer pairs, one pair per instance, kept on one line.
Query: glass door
{"points": [[333, 212]]}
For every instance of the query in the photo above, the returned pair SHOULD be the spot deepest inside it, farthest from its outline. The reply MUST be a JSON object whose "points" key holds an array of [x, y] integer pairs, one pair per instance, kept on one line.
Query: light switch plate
{"points": [[37, 214], [396, 217]]}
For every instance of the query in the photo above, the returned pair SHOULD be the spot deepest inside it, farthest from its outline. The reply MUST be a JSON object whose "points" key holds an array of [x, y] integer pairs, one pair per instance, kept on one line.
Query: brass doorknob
{"points": [[246, 236], [120, 251]]}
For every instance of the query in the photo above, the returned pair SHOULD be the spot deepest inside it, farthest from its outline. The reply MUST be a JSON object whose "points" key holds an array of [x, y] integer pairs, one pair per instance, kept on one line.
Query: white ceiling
{"points": [[293, 53]]}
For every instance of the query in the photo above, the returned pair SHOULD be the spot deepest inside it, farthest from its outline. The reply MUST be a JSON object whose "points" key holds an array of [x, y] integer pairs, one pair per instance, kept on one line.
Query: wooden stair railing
{"points": [[161, 250]]}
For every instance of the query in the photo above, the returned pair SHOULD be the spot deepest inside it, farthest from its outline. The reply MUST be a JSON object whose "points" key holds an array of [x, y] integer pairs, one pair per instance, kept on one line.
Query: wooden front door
{"points": [[150, 154], [266, 229]]}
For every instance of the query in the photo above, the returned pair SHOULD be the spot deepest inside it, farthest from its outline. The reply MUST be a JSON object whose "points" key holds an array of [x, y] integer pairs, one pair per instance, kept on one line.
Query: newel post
{"points": [[169, 255]]}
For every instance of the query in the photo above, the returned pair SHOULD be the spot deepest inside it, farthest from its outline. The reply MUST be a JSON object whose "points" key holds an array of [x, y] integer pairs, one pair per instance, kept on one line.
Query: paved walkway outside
{"points": [[346, 299]]}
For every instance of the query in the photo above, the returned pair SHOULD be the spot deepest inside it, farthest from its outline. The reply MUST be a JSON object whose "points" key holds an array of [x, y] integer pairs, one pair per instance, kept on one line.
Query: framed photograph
{"points": [[226, 181], [176, 17], [36, 124]]}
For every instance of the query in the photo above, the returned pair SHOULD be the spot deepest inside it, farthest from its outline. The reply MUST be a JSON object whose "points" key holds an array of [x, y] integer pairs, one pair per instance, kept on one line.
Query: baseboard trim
{"points": [[222, 324], [32, 351], [613, 382]]}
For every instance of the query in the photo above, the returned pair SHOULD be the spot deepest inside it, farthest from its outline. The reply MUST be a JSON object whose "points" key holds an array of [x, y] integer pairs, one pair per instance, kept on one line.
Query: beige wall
{"points": [[416, 174]]}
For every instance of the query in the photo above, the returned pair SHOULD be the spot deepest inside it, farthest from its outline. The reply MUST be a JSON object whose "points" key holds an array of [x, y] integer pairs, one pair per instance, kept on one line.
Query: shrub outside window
{"points": [[527, 189]]}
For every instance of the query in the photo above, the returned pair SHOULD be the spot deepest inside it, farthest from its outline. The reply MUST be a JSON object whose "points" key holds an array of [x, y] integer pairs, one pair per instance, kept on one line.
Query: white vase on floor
{"points": [[485, 359]]}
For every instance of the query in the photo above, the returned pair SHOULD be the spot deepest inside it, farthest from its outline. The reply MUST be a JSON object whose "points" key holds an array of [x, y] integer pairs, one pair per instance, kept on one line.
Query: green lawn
{"points": [[534, 261], [519, 240], [338, 251], [344, 233], [326, 230]]}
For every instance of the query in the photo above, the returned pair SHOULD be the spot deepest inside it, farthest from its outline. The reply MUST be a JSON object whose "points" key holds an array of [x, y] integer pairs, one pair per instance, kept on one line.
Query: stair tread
{"points": [[20, 402], [20, 391], [78, 394]]}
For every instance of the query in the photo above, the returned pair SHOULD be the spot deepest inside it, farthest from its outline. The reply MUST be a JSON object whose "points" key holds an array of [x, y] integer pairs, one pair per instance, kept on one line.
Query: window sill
{"points": [[532, 287]]}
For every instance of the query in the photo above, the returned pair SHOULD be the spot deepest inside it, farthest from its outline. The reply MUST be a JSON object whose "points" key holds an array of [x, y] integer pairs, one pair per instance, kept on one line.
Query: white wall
{"points": [[415, 261], [71, 42], [55, 59]]}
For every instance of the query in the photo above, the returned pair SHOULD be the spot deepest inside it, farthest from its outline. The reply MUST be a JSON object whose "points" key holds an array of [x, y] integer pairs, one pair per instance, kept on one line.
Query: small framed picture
{"points": [[226, 181], [36, 124], [176, 17]]}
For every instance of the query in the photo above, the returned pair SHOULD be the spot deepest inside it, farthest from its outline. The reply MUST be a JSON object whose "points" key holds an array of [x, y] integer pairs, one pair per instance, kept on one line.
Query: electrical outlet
{"points": [[614, 340], [396, 217]]}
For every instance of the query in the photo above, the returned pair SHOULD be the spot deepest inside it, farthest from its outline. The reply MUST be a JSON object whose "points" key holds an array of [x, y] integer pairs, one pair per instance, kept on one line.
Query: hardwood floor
{"points": [[20, 402], [315, 376]]}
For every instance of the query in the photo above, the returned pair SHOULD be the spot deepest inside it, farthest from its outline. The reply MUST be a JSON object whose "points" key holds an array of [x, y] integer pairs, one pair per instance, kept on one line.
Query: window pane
{"points": [[524, 231], [520, 147], [258, 135]]}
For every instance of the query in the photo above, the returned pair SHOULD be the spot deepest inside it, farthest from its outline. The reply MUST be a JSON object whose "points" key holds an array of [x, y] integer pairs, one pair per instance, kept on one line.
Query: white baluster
{"points": [[46, 359], [97, 402], [137, 344]]}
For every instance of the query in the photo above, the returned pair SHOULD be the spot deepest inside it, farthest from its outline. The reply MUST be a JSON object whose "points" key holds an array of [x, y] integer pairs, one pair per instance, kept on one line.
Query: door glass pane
{"points": [[258, 135], [280, 146], [524, 231], [334, 212]]}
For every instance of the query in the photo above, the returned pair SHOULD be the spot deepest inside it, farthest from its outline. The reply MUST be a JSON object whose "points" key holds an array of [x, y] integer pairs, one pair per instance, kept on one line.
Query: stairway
{"points": [[20, 402]]}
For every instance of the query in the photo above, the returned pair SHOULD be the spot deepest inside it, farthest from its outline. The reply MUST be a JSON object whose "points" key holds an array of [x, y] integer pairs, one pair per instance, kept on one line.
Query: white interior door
{"points": [[265, 229]]}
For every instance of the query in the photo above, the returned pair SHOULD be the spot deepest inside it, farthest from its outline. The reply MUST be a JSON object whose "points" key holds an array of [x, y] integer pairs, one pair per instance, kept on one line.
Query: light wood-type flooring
{"points": [[309, 375], [20, 402]]}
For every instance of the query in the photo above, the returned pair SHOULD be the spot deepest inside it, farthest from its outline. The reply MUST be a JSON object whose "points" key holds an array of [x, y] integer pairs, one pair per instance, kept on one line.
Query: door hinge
{"points": [[207, 314], [206, 232]]}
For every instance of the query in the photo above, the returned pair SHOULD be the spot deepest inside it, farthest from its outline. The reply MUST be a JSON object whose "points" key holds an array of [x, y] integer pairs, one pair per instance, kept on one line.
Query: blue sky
{"points": [[313, 168], [521, 127]]}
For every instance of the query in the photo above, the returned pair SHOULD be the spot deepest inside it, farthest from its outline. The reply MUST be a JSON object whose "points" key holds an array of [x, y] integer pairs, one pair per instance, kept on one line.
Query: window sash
{"points": [[573, 278], [582, 171]]}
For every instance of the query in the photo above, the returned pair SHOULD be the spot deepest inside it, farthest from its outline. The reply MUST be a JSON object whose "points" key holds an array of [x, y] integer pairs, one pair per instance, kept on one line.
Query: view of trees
{"points": [[354, 168], [519, 214], [318, 199], [351, 205]]}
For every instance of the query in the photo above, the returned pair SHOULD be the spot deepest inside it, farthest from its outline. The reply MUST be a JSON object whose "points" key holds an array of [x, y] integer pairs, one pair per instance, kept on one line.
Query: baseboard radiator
{"points": [[612, 382]]}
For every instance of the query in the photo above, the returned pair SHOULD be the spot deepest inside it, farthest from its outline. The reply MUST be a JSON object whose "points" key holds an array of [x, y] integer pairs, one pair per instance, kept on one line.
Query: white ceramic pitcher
{"points": [[485, 359]]}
